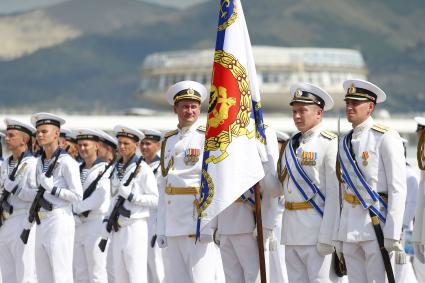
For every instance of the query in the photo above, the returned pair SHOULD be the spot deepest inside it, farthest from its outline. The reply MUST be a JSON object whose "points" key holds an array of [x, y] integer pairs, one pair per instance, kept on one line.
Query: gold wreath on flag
{"points": [[224, 10], [239, 126]]}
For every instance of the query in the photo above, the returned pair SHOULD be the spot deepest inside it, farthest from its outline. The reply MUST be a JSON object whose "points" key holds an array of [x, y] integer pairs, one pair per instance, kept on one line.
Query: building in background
{"points": [[277, 69]]}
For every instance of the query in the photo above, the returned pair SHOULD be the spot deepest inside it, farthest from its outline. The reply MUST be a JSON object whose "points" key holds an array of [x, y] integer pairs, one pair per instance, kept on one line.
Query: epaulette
{"points": [[202, 129], [328, 135], [380, 128], [171, 133]]}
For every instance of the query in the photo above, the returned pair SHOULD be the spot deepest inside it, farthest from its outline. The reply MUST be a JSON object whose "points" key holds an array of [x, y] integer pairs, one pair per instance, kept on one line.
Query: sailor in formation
{"points": [[135, 192], [277, 265], [179, 192], [18, 187], [404, 269], [418, 237], [307, 177], [373, 168], [54, 244], [89, 261], [149, 147], [107, 147]]}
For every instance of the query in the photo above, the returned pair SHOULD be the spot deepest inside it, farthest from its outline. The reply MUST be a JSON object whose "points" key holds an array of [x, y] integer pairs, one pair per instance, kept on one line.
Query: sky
{"points": [[14, 6]]}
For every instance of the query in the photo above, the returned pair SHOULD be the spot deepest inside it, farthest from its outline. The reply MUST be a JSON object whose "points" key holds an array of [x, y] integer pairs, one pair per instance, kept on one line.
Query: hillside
{"points": [[100, 66]]}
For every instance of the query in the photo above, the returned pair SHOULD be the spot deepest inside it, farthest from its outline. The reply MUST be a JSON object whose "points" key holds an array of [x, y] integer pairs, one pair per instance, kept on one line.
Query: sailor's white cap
{"points": [[12, 124], [186, 90], [421, 123], [44, 118], [311, 94], [152, 134], [281, 136], [108, 139], [129, 132], [357, 89], [87, 134]]}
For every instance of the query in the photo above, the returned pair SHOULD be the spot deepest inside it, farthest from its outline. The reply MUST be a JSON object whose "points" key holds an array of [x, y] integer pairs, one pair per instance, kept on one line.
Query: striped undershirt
{"points": [[120, 171], [12, 165], [83, 175]]}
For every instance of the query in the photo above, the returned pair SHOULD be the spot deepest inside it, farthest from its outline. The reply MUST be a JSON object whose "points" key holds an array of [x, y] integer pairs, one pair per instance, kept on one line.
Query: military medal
{"points": [[308, 158], [365, 156], [191, 156]]}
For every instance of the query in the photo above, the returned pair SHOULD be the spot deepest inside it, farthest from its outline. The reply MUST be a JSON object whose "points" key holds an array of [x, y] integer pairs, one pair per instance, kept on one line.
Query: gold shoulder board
{"points": [[328, 135], [202, 129], [171, 133], [380, 128]]}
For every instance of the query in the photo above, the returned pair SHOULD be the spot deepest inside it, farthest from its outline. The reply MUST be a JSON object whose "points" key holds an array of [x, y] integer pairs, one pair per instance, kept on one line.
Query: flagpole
{"points": [[260, 241]]}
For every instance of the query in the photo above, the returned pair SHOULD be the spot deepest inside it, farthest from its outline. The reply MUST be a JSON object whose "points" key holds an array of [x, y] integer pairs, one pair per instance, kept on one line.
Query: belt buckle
{"points": [[41, 215], [168, 189], [5, 215]]}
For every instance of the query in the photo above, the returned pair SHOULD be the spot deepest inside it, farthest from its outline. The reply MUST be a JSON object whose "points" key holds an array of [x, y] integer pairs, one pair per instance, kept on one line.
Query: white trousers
{"points": [[305, 264], [17, 261], [89, 261], [419, 269], [240, 258], [276, 266], [364, 262], [404, 272], [129, 250], [155, 261], [186, 262], [54, 246]]}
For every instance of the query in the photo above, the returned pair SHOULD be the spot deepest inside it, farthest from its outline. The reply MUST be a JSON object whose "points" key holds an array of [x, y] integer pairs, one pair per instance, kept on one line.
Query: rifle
{"points": [[5, 206], [39, 201], [119, 209], [89, 191]]}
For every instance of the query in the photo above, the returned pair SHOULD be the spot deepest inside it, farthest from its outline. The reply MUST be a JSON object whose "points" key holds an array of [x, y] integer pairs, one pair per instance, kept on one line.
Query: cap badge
{"points": [[298, 93], [352, 89]]}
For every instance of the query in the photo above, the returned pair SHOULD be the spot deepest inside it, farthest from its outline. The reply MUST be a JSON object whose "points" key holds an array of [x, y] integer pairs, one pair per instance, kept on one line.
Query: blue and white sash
{"points": [[301, 179], [351, 174]]}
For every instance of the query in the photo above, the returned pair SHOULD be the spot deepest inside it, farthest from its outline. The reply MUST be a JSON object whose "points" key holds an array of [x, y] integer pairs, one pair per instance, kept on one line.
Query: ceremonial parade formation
{"points": [[230, 201]]}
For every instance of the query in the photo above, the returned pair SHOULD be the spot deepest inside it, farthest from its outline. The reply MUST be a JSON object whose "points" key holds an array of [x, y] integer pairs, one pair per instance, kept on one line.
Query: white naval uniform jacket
{"points": [[177, 214], [66, 179], [307, 227], [239, 218], [26, 181], [98, 202], [385, 172], [418, 229], [412, 182], [143, 188]]}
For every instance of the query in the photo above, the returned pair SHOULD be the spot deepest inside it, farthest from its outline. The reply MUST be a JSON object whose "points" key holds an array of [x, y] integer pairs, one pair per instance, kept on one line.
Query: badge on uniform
{"points": [[191, 156], [308, 158], [365, 156]]}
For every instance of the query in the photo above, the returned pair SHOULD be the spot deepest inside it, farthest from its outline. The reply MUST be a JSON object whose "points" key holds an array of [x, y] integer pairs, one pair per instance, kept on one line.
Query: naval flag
{"points": [[234, 141]]}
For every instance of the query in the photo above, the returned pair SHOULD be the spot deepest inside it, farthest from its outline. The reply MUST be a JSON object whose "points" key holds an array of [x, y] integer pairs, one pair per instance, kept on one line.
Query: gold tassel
{"points": [[420, 152], [338, 171]]}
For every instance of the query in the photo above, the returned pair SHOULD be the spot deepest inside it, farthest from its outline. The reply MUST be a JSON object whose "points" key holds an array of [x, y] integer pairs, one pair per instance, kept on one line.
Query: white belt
{"points": [[124, 221], [92, 216], [57, 211], [16, 212]]}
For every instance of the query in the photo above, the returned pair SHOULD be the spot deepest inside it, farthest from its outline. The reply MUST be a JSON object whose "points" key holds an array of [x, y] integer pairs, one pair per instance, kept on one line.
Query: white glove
{"points": [[392, 245], [325, 249], [162, 241], [206, 238], [9, 185], [124, 191], [46, 183], [419, 251], [338, 246]]}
